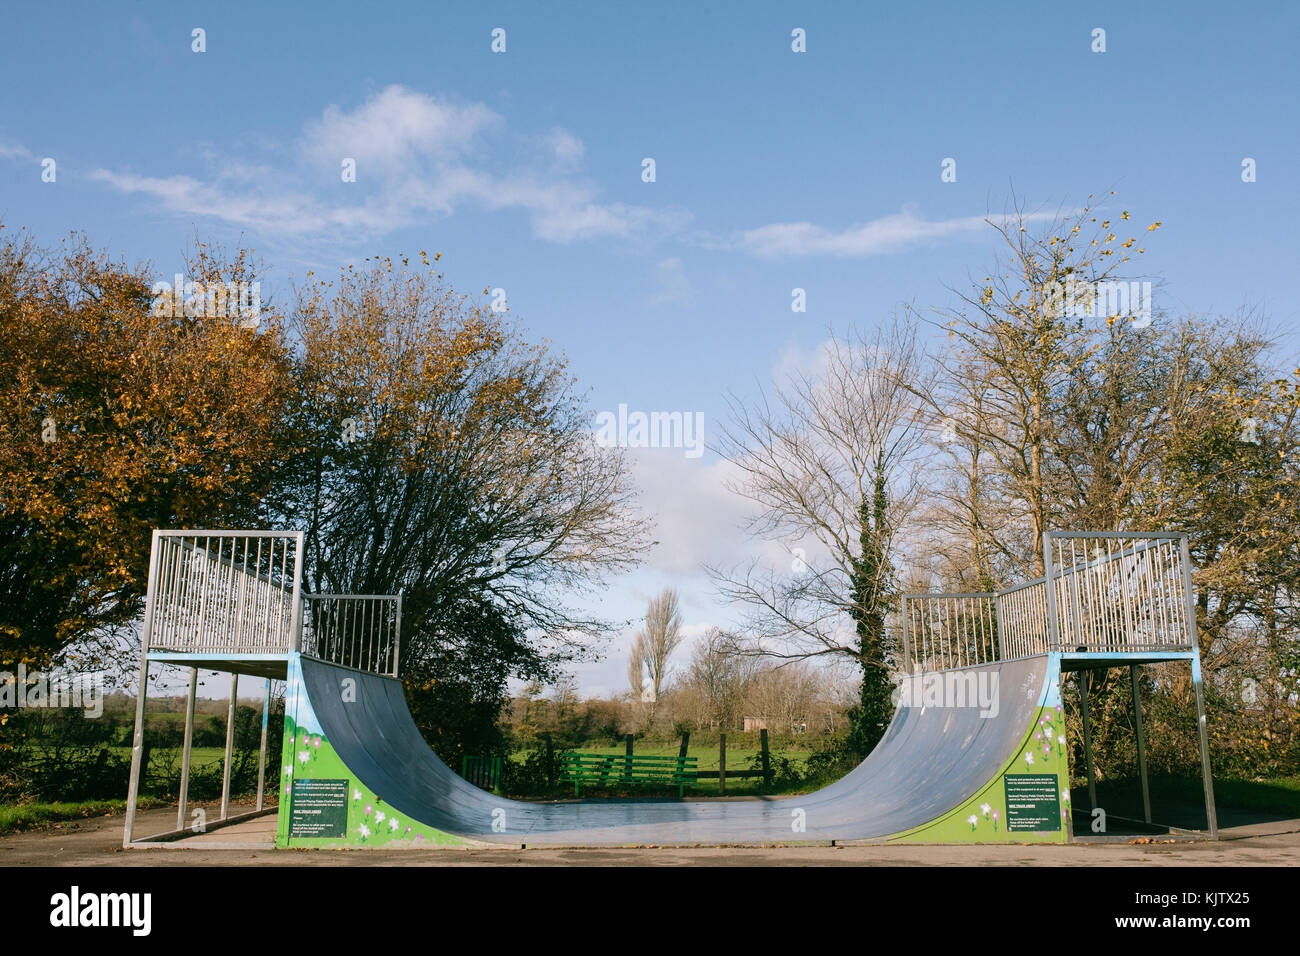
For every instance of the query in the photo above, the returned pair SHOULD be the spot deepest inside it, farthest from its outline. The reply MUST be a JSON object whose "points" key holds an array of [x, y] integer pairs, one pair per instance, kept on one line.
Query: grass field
{"points": [[31, 816], [201, 756]]}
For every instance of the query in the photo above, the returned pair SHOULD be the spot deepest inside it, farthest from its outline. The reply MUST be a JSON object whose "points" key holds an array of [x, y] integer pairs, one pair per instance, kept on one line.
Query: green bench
{"points": [[483, 772], [605, 769]]}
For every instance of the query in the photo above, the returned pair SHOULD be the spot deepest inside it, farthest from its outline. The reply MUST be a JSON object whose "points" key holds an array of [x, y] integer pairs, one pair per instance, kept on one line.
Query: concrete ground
{"points": [[1246, 841]]}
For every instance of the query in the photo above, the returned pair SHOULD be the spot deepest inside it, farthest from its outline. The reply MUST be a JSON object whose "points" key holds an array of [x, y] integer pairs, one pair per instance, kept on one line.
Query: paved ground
{"points": [[1246, 842]]}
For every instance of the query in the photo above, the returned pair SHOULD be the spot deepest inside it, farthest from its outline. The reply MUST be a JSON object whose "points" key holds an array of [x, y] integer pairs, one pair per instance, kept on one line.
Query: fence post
{"points": [[767, 766], [627, 762], [686, 740], [722, 764], [550, 760]]}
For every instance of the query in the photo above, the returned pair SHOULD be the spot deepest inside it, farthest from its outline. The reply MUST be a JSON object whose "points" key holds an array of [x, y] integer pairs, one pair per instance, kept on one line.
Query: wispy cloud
{"points": [[880, 236], [283, 213], [399, 130], [673, 288], [417, 158], [16, 152]]}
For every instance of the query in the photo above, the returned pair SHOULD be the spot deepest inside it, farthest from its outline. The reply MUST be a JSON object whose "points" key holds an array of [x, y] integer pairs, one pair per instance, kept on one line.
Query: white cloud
{"points": [[878, 237], [698, 521], [16, 152], [796, 360], [279, 212], [397, 129], [566, 147], [417, 157], [673, 288]]}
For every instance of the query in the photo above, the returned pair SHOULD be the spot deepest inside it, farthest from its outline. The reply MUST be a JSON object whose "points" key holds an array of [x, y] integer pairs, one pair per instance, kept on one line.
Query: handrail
{"points": [[224, 592], [362, 631], [1132, 594]]}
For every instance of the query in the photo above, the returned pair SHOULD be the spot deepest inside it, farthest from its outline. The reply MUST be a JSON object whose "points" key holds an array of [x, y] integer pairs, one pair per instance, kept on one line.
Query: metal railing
{"points": [[1022, 619], [224, 592], [1111, 592], [1127, 592], [362, 631], [949, 630]]}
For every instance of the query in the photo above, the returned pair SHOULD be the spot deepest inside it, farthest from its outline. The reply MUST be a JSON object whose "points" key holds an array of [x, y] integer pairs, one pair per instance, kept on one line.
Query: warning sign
{"points": [[318, 808], [1033, 801]]}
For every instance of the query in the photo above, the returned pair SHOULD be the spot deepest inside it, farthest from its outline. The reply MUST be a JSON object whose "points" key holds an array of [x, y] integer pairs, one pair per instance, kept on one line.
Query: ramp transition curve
{"points": [[975, 755]]}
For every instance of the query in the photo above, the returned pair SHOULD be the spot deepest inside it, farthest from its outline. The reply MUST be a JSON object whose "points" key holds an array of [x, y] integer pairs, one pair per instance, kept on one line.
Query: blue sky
{"points": [[774, 170]]}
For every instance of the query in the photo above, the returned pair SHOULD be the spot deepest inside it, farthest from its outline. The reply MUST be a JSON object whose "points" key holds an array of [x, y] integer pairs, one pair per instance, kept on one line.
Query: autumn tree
{"points": [[1061, 404], [448, 459], [1019, 337], [120, 411]]}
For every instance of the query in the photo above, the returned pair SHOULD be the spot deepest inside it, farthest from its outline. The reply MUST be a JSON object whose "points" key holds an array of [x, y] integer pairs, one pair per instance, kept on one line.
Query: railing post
{"points": [[907, 639], [397, 639], [1053, 632], [295, 627]]}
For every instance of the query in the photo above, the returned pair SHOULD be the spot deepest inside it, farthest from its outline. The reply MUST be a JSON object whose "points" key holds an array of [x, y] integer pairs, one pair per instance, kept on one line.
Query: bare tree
{"points": [[717, 680], [654, 644], [636, 668], [786, 698], [830, 461]]}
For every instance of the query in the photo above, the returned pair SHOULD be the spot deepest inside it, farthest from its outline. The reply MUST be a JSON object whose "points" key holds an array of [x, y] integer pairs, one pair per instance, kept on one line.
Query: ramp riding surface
{"points": [[931, 761]]}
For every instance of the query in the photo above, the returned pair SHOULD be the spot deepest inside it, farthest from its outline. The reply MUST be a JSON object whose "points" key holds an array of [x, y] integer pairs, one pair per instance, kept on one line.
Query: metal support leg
{"points": [[230, 746], [137, 750], [1194, 639], [188, 750], [137, 739], [1210, 815], [1084, 680], [1141, 742], [261, 754]]}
